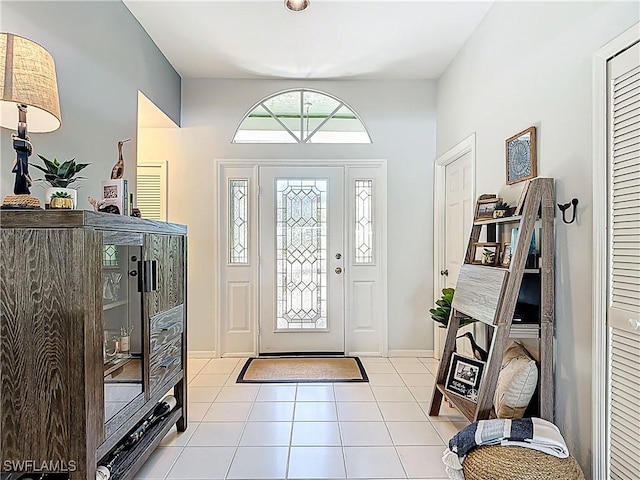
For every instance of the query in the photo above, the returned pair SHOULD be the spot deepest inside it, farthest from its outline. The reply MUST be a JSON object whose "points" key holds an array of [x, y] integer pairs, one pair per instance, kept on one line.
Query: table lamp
{"points": [[27, 80]]}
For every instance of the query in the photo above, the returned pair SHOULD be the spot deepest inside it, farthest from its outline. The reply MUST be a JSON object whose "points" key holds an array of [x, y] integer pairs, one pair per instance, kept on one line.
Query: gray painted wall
{"points": [[531, 64], [103, 57], [400, 117]]}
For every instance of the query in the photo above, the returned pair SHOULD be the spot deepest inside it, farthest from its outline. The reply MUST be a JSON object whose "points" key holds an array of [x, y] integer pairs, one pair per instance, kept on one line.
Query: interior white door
{"points": [[458, 219], [458, 215], [623, 321], [301, 223]]}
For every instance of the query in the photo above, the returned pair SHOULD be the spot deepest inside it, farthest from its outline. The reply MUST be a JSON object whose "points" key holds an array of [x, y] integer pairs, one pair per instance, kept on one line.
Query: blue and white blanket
{"points": [[533, 433]]}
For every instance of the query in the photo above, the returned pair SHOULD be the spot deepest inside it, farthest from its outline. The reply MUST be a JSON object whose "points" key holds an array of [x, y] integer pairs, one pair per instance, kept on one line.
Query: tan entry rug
{"points": [[302, 370]]}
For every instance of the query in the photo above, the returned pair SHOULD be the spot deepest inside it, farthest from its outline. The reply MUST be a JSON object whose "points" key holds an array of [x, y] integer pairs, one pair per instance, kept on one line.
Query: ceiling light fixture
{"points": [[296, 5]]}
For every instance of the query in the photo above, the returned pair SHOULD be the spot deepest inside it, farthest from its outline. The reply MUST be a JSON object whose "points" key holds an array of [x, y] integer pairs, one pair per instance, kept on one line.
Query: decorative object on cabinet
{"points": [[118, 169], [564, 207], [486, 206], [442, 312], [521, 156], [115, 193], [464, 377], [61, 200], [119, 343], [60, 176], [27, 81], [493, 295], [485, 253]]}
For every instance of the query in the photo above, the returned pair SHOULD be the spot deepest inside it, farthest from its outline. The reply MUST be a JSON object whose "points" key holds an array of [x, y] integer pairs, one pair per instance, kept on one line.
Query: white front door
{"points": [[301, 251]]}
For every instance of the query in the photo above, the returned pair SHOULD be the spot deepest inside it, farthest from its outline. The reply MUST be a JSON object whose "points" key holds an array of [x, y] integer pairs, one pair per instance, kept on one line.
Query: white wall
{"points": [[400, 117], [103, 57], [531, 64]]}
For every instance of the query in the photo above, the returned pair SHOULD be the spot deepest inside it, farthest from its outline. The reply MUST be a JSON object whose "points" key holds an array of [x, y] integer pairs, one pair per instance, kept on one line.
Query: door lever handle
{"points": [[444, 273]]}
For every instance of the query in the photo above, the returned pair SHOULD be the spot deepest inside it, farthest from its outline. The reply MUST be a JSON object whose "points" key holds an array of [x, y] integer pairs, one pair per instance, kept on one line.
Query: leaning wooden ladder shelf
{"points": [[489, 294]]}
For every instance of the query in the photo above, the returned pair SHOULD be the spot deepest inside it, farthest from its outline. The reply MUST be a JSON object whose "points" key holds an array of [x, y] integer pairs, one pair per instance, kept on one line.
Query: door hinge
{"points": [[259, 329], [259, 189]]}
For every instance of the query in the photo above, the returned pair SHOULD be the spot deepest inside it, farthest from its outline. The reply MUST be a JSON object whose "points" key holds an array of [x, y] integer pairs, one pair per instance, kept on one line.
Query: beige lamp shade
{"points": [[28, 76]]}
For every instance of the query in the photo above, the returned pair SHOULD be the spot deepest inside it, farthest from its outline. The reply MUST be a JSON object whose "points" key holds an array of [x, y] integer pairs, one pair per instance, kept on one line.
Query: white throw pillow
{"points": [[517, 382]]}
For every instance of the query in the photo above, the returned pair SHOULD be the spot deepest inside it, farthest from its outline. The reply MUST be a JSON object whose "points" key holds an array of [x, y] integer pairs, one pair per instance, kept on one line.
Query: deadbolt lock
{"points": [[338, 256]]}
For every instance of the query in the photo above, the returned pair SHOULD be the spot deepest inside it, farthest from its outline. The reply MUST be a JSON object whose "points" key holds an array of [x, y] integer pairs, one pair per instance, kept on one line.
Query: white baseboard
{"points": [[238, 355], [201, 354], [364, 354], [410, 353]]}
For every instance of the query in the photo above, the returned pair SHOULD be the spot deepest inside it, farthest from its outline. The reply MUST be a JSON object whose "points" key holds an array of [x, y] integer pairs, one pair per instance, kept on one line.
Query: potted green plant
{"points": [[488, 256], [442, 312], [60, 176], [61, 200], [501, 210]]}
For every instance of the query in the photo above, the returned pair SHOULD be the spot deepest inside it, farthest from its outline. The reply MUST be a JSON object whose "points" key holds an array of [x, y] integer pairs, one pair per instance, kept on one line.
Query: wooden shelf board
{"points": [[109, 306], [493, 221], [524, 330], [111, 366], [466, 407]]}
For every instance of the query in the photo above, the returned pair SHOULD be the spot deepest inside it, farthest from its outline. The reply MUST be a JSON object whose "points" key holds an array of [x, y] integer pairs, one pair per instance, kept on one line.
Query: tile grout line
{"points": [[293, 422], [244, 427]]}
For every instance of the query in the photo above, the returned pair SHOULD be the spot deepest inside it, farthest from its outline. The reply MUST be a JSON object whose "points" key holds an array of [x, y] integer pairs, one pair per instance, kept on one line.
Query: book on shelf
{"points": [[116, 192]]}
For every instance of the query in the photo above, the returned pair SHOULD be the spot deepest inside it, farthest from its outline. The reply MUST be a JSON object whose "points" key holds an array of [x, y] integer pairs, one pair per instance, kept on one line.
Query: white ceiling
{"points": [[383, 39]]}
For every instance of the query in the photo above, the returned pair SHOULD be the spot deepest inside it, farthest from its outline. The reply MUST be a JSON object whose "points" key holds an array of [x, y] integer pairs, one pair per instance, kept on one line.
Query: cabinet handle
{"points": [[149, 277]]}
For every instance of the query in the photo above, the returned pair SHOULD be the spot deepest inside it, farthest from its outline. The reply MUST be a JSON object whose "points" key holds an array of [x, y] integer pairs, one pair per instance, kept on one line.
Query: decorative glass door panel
{"points": [[301, 259], [301, 252], [122, 319]]}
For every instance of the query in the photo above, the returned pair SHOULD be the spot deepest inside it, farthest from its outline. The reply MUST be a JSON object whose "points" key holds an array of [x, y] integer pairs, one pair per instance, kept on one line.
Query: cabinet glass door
{"points": [[122, 319]]}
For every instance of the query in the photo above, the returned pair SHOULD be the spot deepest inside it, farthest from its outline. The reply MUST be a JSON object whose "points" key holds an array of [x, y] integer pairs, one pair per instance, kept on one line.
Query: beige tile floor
{"points": [[376, 430]]}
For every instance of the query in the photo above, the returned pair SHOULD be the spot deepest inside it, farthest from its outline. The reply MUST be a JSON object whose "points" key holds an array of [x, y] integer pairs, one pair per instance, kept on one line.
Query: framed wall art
{"points": [[464, 377], [521, 156]]}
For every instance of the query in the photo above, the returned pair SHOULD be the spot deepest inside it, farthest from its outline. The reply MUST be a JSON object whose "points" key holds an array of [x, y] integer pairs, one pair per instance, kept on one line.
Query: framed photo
{"points": [[506, 255], [464, 376], [485, 207], [485, 253], [521, 156]]}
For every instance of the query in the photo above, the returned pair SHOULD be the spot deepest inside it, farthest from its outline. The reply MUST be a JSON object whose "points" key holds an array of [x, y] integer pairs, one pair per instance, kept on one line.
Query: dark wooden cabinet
{"points": [[56, 310]]}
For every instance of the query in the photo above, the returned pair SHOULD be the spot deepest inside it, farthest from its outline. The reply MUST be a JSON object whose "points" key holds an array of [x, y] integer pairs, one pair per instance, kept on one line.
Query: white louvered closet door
{"points": [[151, 190], [624, 265]]}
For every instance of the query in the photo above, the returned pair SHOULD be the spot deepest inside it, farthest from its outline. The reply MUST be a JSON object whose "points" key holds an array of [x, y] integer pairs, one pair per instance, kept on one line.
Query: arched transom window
{"points": [[301, 116]]}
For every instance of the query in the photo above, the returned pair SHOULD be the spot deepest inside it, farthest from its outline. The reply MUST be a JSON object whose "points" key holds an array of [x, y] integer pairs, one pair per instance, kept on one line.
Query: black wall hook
{"points": [[565, 207]]}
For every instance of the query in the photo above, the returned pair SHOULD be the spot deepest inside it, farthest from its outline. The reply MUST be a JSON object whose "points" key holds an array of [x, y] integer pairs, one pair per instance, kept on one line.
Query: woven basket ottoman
{"points": [[518, 463]]}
